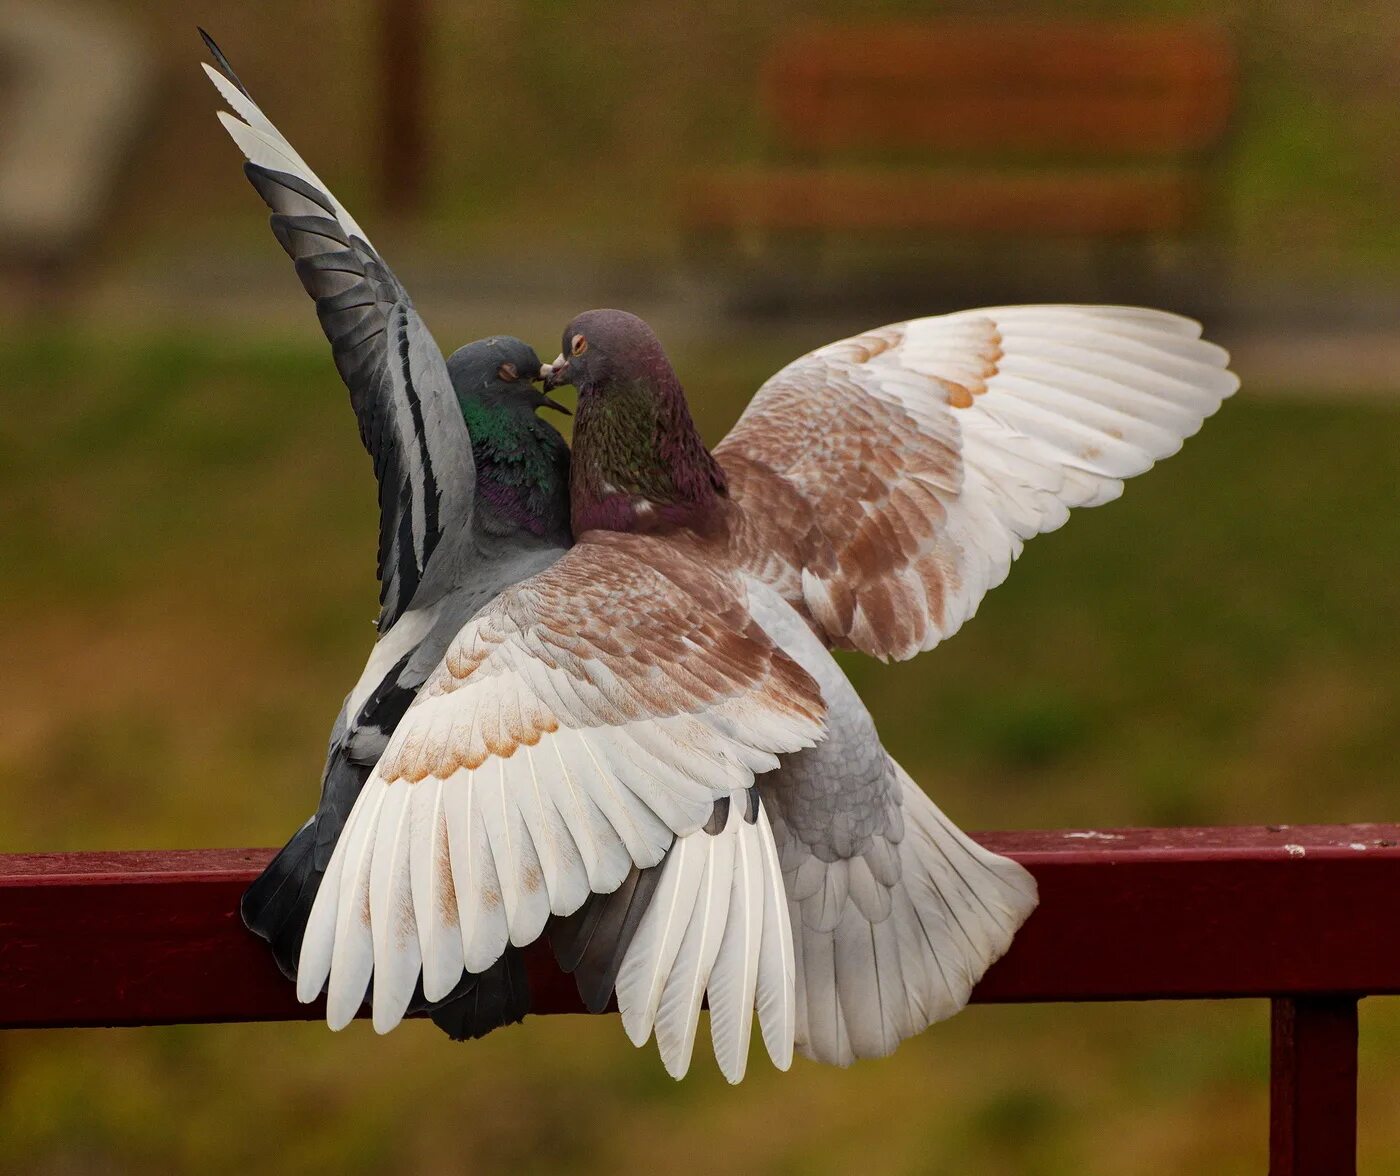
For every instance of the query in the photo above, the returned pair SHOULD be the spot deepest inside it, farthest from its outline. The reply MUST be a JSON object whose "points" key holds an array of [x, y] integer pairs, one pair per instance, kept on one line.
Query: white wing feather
{"points": [[717, 926], [777, 969], [733, 983], [924, 454], [524, 777], [264, 144]]}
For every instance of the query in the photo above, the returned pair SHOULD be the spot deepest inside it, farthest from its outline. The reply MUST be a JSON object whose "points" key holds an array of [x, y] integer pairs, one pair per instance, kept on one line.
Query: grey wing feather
{"points": [[399, 387]]}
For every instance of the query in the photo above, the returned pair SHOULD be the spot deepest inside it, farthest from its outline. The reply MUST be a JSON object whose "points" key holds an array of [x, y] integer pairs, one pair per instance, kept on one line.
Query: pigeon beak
{"points": [[555, 374], [543, 401]]}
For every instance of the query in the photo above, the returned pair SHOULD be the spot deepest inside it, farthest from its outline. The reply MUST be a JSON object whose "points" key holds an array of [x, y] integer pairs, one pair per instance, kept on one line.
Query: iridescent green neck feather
{"points": [[522, 468]]}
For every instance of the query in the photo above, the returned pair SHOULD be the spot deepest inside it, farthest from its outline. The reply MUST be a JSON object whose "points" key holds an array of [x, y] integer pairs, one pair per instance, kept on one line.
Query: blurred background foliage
{"points": [[186, 535]]}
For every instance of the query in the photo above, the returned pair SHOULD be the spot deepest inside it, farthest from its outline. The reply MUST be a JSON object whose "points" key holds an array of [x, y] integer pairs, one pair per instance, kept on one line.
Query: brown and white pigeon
{"points": [[665, 692]]}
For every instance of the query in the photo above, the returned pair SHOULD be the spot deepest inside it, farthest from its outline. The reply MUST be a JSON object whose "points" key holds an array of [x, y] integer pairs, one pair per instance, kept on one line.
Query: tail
{"points": [[900, 958], [716, 926], [277, 905], [485, 1000]]}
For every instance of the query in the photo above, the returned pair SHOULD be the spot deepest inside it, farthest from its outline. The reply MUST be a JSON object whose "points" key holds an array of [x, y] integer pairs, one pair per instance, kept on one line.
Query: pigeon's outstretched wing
{"points": [[577, 725], [409, 418], [889, 480]]}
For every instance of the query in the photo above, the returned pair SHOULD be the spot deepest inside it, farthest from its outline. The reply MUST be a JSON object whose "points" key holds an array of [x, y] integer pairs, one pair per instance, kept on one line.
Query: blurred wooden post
{"points": [[1312, 1111], [403, 159]]}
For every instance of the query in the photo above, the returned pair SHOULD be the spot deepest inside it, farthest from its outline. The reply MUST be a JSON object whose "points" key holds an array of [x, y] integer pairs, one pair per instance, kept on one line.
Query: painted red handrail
{"points": [[1301, 915]]}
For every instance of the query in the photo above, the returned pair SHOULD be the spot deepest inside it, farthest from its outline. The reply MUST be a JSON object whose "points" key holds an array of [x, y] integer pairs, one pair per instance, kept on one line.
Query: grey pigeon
{"points": [[473, 496]]}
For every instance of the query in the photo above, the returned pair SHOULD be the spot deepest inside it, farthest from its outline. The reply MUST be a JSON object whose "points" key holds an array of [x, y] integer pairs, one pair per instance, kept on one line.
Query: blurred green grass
{"points": [[186, 528]]}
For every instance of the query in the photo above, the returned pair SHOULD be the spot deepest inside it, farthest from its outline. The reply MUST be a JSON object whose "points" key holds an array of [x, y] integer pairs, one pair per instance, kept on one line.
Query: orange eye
{"points": [[579, 346], [507, 373]]}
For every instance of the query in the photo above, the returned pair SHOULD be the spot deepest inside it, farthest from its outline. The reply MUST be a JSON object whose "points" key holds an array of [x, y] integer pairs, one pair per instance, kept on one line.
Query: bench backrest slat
{"points": [[1140, 89]]}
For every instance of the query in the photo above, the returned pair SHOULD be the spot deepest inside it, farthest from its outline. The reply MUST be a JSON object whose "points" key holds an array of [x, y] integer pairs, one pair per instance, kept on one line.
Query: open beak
{"points": [[547, 375], [556, 374]]}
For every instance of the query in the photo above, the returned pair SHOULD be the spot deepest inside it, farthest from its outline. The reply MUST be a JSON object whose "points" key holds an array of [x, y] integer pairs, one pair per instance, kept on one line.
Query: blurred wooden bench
{"points": [[1082, 130]]}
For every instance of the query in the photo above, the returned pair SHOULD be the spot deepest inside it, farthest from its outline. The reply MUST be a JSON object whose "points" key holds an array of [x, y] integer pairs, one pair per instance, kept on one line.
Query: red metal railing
{"points": [[1303, 916]]}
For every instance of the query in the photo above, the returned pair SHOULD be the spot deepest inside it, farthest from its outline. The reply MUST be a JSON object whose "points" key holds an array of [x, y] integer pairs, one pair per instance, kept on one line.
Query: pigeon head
{"points": [[603, 349], [522, 463], [638, 463], [500, 370]]}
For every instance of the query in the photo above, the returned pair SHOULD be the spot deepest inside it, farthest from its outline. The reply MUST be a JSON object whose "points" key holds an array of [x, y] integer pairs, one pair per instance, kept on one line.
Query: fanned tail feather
{"points": [[889, 969], [485, 1001], [717, 927]]}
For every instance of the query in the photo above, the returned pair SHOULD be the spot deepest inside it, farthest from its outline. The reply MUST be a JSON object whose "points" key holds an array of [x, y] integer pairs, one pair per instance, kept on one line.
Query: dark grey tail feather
{"points": [[278, 904], [484, 1001], [591, 942]]}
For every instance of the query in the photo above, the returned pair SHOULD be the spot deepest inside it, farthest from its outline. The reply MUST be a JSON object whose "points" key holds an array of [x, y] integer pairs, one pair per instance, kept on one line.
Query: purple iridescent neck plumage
{"points": [[639, 463]]}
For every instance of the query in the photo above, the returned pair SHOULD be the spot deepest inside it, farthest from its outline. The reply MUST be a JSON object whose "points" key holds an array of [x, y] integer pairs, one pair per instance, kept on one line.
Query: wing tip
{"points": [[386, 1021], [306, 994], [221, 62], [340, 1012], [234, 125]]}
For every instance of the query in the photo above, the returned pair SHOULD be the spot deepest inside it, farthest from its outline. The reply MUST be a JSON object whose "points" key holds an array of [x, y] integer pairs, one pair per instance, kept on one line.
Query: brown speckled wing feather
{"points": [[885, 483], [576, 726]]}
